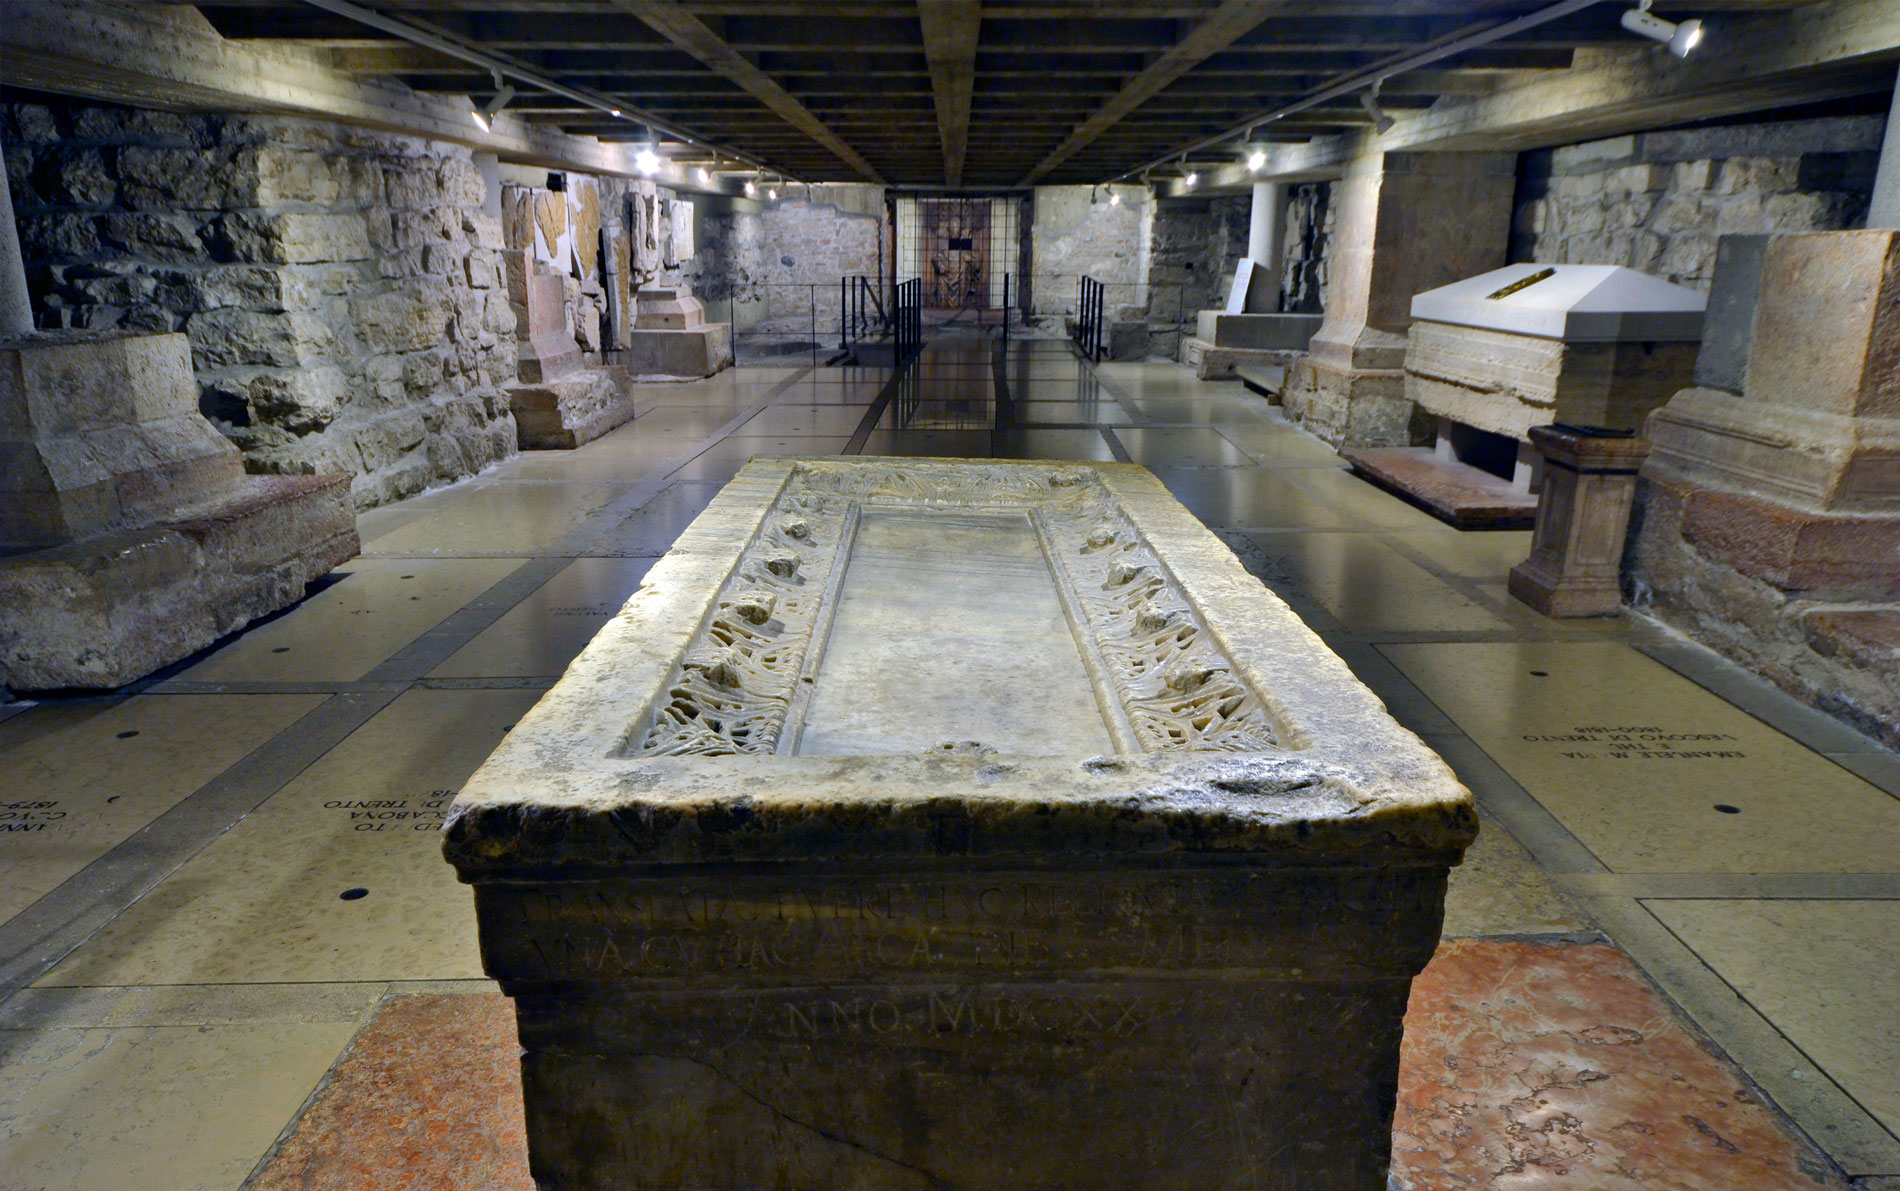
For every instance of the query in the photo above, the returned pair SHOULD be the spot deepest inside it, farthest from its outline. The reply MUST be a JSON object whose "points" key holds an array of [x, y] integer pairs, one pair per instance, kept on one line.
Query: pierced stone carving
{"points": [[1176, 688]]}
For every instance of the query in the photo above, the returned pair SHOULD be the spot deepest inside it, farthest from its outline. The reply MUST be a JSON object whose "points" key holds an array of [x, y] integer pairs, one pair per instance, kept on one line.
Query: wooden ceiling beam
{"points": [[686, 31], [951, 29]]}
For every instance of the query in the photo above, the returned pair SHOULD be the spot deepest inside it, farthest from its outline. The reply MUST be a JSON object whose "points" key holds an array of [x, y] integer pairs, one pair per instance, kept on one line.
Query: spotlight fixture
{"points": [[647, 161], [1256, 159], [704, 175], [1679, 37], [1191, 180], [1369, 100], [1114, 200], [614, 111], [771, 192], [484, 116], [751, 188]]}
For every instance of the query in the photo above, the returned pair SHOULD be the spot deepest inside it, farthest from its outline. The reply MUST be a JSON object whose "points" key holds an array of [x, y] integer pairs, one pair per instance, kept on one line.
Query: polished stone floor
{"points": [[230, 952]]}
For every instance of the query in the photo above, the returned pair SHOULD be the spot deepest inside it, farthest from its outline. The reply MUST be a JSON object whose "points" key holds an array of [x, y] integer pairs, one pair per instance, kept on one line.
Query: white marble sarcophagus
{"points": [[1528, 345], [930, 824]]}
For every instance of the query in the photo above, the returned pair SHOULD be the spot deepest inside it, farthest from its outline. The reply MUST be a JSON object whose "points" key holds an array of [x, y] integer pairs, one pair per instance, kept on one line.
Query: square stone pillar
{"points": [[1406, 222], [1766, 517]]}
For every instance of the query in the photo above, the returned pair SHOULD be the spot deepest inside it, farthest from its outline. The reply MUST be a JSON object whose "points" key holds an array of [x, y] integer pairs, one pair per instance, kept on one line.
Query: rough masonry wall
{"points": [[728, 272], [807, 247], [1195, 246], [1658, 201], [1077, 232], [339, 286], [1306, 263]]}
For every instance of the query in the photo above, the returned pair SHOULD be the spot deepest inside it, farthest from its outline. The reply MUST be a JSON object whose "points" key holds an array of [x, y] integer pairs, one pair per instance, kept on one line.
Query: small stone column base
{"points": [[1582, 521]]}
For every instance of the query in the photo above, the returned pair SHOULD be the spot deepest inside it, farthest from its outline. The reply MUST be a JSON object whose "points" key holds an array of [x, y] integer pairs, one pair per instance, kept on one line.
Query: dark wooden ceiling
{"points": [[1056, 91]]}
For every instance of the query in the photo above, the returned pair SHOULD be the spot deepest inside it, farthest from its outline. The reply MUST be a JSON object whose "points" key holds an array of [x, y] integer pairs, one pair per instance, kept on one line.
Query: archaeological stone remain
{"points": [[827, 864]]}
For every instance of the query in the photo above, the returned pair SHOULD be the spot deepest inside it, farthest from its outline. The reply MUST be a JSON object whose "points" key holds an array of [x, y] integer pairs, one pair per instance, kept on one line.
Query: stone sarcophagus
{"points": [[933, 824]]}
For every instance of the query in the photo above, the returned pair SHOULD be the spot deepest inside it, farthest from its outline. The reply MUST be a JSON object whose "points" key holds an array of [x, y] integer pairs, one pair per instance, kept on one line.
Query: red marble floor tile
{"points": [[1529, 1066], [428, 1098], [1526, 1067]]}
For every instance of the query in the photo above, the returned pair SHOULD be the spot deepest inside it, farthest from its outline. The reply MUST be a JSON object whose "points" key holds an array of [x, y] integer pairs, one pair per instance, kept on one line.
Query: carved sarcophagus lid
{"points": [[944, 823]]}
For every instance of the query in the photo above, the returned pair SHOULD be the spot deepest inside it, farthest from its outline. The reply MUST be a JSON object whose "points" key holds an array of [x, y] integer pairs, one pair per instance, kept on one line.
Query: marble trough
{"points": [[957, 824]]}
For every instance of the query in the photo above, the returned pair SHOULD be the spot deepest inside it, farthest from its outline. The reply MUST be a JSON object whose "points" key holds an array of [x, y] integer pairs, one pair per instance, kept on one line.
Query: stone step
{"points": [[1465, 496], [1264, 379]]}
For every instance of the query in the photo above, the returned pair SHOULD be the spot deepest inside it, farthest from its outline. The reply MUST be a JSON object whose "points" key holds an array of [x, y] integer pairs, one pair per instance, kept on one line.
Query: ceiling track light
{"points": [[1382, 121], [647, 161], [1680, 37], [484, 116], [1256, 160]]}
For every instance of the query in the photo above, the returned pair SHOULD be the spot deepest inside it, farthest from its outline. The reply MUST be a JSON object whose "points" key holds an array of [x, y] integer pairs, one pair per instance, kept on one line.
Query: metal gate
{"points": [[964, 250]]}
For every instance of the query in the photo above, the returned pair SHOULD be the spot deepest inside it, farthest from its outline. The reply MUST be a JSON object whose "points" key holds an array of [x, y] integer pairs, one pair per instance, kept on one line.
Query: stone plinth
{"points": [[1582, 521], [1756, 507], [558, 404], [671, 337], [99, 430], [131, 536], [975, 824], [547, 348], [1392, 242], [1224, 342]]}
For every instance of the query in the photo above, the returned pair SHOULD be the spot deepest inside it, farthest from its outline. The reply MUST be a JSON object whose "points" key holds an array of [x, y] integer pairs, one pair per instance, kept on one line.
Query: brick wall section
{"points": [[1658, 201], [1073, 237], [339, 286]]}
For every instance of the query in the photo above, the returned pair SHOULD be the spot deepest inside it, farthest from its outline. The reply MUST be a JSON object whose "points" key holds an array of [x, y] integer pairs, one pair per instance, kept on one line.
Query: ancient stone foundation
{"points": [[129, 534], [1768, 520], [339, 286], [954, 824]]}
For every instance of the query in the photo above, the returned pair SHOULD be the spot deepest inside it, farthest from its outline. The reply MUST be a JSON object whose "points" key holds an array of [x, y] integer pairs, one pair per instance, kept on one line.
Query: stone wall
{"points": [[728, 272], [339, 286], [1658, 201], [1195, 246], [806, 246], [1306, 268], [1078, 232]]}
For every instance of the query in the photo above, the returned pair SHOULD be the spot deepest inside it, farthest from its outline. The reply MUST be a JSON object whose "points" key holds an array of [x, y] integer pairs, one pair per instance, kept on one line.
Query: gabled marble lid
{"points": [[1575, 303]]}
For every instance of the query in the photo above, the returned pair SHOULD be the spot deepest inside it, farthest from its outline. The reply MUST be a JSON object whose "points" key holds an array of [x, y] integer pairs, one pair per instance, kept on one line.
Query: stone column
{"points": [[1884, 211], [1406, 222], [1266, 239], [16, 307]]}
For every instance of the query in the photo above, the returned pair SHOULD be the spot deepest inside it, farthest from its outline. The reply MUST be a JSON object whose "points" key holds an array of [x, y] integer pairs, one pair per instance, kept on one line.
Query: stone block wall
{"points": [[1077, 232], [1196, 244], [339, 287], [1306, 263], [1658, 201], [805, 247], [728, 272]]}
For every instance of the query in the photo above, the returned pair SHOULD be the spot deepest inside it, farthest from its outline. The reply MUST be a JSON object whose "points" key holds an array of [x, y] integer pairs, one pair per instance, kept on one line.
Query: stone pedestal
{"points": [[558, 404], [671, 337], [1224, 342], [941, 824], [1392, 241], [1582, 520], [1756, 507], [130, 536]]}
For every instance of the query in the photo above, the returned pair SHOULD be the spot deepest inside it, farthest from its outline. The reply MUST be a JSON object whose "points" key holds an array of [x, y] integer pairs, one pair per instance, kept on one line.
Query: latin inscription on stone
{"points": [[1010, 924]]}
